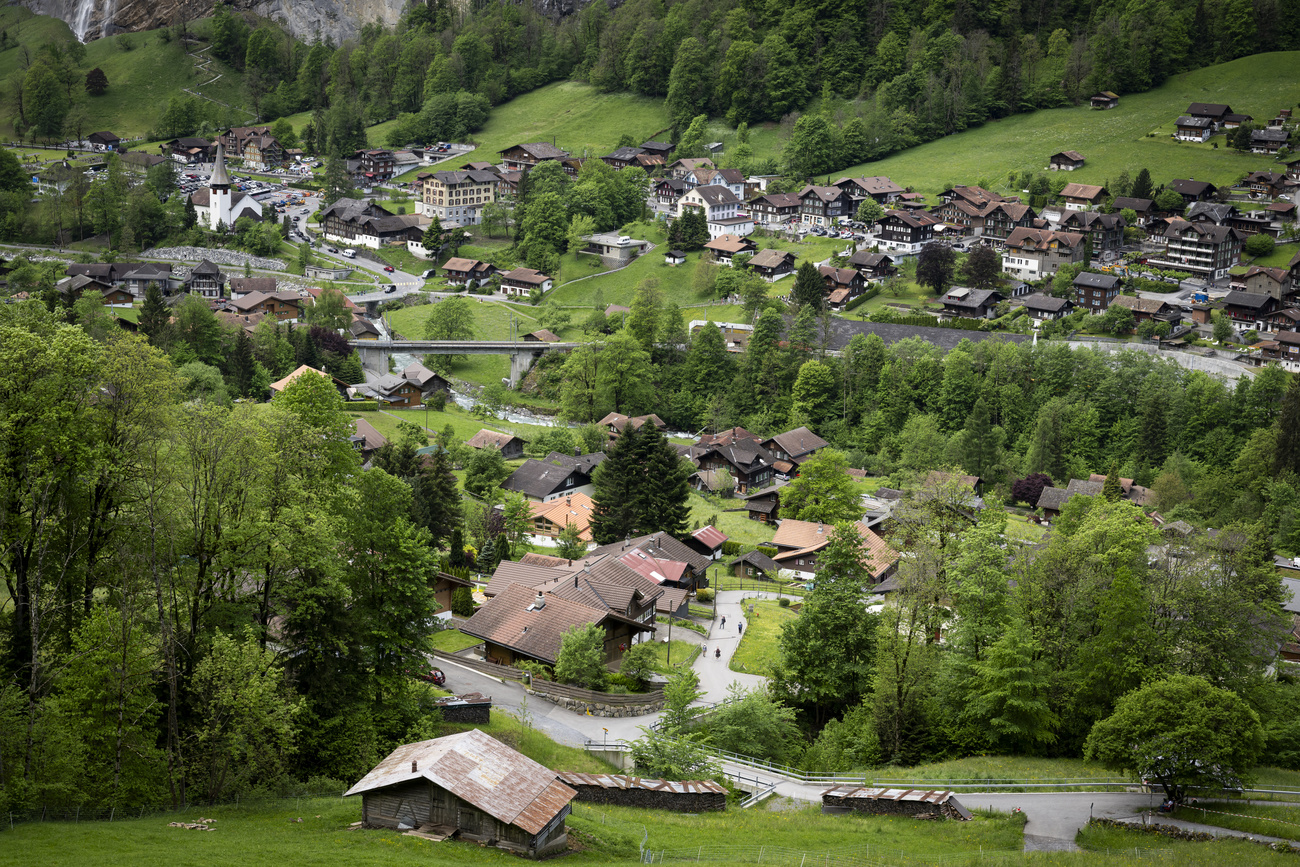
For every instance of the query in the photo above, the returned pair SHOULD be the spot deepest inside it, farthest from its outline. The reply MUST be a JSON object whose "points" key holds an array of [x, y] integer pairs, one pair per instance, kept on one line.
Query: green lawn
{"points": [[464, 424], [683, 652], [1022, 530], [1270, 820], [736, 525], [993, 768], [1118, 847], [758, 651], [1111, 141], [580, 119], [453, 640], [1280, 257]]}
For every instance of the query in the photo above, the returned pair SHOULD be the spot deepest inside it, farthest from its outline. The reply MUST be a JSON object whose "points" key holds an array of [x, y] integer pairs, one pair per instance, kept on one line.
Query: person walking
{"points": [[724, 621], [717, 653], [740, 628]]}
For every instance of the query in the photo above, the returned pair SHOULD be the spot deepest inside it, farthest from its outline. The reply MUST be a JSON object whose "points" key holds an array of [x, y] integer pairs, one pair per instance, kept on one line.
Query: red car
{"points": [[388, 269]]}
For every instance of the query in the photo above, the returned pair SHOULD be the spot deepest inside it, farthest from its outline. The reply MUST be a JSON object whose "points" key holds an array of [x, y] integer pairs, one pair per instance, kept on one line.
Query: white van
{"points": [[350, 254]]}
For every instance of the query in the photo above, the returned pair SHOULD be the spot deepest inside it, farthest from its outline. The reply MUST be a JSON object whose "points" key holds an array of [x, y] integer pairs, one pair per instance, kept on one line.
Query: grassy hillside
{"points": [[1111, 141], [581, 119], [141, 81]]}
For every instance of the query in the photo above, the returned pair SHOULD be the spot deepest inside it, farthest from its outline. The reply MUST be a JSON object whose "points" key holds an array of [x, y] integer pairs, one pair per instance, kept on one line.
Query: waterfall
{"points": [[107, 18], [81, 20]]}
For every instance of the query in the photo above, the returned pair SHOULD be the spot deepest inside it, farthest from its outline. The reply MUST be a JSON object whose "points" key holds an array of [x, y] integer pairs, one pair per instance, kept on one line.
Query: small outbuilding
{"points": [[679, 796], [510, 446], [470, 786], [917, 803], [1066, 161], [674, 257]]}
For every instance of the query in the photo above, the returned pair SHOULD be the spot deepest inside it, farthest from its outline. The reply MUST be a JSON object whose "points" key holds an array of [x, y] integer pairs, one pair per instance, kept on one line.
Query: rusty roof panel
{"points": [[481, 770], [623, 781], [933, 796]]}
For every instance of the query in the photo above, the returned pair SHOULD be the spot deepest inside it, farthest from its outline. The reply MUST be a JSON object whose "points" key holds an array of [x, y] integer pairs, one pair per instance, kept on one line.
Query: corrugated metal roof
{"points": [[501, 782], [623, 781], [932, 796], [710, 535]]}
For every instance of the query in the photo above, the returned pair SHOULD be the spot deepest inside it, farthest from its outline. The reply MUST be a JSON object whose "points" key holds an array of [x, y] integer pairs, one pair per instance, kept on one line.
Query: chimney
{"points": [[540, 602], [415, 766], [575, 580]]}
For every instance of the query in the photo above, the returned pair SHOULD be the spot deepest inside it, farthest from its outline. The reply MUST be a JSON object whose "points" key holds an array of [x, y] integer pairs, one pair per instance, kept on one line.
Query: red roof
{"points": [[653, 568], [710, 536]]}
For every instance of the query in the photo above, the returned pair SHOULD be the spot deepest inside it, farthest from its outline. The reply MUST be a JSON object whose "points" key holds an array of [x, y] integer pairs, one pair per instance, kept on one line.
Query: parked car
{"points": [[388, 269], [391, 289]]}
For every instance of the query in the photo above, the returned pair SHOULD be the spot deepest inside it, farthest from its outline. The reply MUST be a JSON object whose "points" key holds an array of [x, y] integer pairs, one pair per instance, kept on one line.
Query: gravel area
{"points": [[218, 257]]}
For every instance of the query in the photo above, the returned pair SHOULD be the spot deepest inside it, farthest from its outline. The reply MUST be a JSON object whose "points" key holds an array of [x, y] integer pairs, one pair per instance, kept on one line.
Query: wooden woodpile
{"points": [[473, 707], [680, 796], [917, 803]]}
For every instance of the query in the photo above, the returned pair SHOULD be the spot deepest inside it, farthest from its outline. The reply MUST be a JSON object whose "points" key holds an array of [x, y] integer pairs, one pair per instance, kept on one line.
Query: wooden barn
{"points": [[470, 786]]}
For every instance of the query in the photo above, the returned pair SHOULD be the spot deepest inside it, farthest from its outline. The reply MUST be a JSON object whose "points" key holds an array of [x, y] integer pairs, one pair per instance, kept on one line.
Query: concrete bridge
{"points": [[375, 353]]}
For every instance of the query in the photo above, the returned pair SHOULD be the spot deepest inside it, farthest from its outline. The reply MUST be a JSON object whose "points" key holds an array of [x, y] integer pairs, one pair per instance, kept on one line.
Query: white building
{"points": [[217, 204]]}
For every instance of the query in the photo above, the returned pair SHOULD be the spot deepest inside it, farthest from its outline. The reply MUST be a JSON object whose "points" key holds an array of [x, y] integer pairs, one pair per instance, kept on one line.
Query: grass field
{"points": [[993, 768], [140, 82], [758, 651], [1273, 821], [1111, 141], [683, 653], [736, 525], [453, 640]]}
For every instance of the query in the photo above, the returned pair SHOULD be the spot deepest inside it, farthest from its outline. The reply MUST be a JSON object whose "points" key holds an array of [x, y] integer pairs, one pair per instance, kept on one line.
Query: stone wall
{"points": [[598, 708]]}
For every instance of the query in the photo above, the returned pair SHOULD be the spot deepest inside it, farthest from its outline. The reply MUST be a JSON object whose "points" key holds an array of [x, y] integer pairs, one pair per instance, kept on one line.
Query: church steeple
{"points": [[220, 178]]}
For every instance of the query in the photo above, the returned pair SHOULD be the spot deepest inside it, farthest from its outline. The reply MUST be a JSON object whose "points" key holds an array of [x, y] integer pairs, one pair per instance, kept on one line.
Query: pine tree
{"points": [[1142, 187], [1112, 490], [456, 557], [243, 366], [1287, 456], [807, 290], [665, 486], [613, 510], [154, 315], [982, 442]]}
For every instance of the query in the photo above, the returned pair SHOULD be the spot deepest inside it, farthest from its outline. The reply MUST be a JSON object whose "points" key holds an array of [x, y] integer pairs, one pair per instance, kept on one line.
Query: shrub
{"points": [[536, 669], [462, 602], [363, 406], [784, 602], [704, 594], [766, 550]]}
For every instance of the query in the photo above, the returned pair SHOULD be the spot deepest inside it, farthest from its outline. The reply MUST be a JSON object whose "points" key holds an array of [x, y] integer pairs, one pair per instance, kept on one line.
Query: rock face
{"points": [[334, 20]]}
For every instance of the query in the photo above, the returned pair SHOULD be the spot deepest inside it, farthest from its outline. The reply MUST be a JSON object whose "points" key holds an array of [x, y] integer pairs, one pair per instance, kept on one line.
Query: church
{"points": [[217, 204]]}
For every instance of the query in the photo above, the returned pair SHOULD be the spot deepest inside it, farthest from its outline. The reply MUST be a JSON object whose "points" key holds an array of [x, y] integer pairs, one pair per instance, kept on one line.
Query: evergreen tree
{"points": [[1012, 693], [154, 316], [1142, 187], [808, 287], [456, 555], [982, 443], [640, 488], [243, 367], [613, 512], [436, 501], [1112, 490]]}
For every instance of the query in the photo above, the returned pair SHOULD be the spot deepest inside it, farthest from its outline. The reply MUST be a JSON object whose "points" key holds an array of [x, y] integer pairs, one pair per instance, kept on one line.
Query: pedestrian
{"points": [[717, 653], [724, 621], [704, 649], [740, 628]]}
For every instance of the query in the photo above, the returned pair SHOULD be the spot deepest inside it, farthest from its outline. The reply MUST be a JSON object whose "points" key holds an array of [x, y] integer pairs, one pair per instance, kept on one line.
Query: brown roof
{"points": [[501, 782], [1082, 191], [572, 509], [512, 619], [244, 285], [1140, 305], [526, 275], [490, 438], [770, 258], [729, 244], [806, 537]]}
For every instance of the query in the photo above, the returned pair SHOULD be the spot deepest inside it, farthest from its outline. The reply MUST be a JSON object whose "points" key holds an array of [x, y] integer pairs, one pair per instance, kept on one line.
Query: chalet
{"points": [[262, 153], [880, 189], [1212, 111], [747, 462], [966, 218], [241, 286], [1032, 254], [557, 476], [1094, 292], [676, 564], [235, 138], [1283, 118], [137, 279], [141, 162], [522, 281], [1286, 319], [1260, 280], [977, 196], [823, 206], [707, 541], [1083, 195], [799, 543], [73, 288], [552, 517], [1232, 121], [103, 141], [658, 148], [724, 247], [1143, 208], [468, 272], [510, 446], [1146, 309], [1104, 100], [205, 279], [282, 306], [971, 303], [873, 266], [794, 446], [472, 786], [674, 257], [721, 209], [732, 179], [1193, 190], [1188, 128], [842, 285], [364, 329], [1268, 141], [616, 421], [541, 335], [1065, 161], [458, 198], [1283, 350], [1269, 185], [683, 167], [508, 184], [904, 233], [1044, 308], [755, 564], [522, 157], [764, 505], [1249, 310], [303, 370], [771, 264], [623, 157], [667, 192], [361, 222], [1217, 213], [774, 207], [365, 439], [1202, 249], [407, 388], [1003, 218], [1105, 231], [1052, 500]]}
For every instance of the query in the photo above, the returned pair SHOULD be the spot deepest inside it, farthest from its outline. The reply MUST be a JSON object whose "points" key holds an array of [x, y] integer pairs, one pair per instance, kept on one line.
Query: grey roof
{"points": [[1096, 281], [1191, 187], [625, 154], [843, 330], [586, 463], [538, 478], [542, 150], [798, 442], [759, 560], [206, 268], [661, 546], [1274, 134], [972, 298], [219, 175], [1195, 122], [1039, 301], [1237, 298], [714, 194], [1139, 205], [478, 176], [1216, 212]]}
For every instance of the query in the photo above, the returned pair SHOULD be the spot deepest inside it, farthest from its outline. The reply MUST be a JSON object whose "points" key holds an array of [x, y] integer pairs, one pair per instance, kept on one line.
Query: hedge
{"points": [[363, 406], [863, 298]]}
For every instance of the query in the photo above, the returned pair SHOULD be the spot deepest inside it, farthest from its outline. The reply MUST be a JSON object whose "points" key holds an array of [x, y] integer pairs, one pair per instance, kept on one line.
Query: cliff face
{"points": [[307, 19]]}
